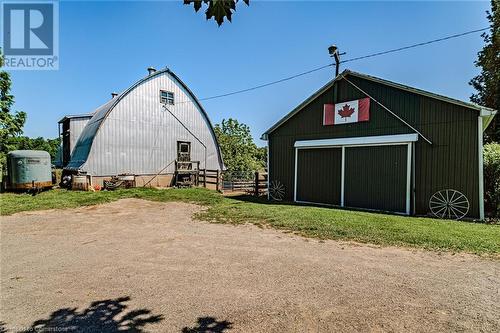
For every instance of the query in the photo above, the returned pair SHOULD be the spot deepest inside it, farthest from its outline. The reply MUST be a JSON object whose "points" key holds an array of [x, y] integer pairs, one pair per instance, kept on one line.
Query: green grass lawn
{"points": [[318, 222]]}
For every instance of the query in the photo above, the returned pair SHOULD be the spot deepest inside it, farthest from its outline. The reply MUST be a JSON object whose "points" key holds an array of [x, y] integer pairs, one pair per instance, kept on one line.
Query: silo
{"points": [[29, 169]]}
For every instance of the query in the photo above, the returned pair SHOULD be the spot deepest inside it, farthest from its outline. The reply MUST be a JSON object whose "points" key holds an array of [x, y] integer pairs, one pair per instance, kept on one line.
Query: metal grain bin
{"points": [[29, 169]]}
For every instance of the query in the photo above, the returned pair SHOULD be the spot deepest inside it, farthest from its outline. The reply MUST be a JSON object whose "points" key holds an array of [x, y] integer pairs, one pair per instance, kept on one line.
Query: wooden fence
{"points": [[261, 182], [211, 177], [256, 185]]}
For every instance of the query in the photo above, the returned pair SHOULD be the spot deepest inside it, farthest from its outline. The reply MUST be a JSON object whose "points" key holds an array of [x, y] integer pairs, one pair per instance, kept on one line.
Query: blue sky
{"points": [[107, 46]]}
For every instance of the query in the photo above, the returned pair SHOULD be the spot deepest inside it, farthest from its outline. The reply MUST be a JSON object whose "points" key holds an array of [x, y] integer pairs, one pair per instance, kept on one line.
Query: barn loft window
{"points": [[166, 97]]}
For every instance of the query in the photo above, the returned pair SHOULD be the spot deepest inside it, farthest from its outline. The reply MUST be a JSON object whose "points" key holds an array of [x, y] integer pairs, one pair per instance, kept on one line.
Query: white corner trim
{"points": [[413, 177], [342, 178], [408, 178], [295, 177], [487, 112], [357, 141], [480, 166], [487, 115], [268, 170]]}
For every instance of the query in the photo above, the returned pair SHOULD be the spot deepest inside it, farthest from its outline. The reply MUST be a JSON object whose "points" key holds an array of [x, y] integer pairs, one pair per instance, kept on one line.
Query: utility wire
{"points": [[267, 84], [344, 61], [415, 45]]}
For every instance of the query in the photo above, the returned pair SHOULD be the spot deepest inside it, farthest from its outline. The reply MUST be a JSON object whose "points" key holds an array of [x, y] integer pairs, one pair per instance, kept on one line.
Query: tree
{"points": [[217, 9], [49, 145], [261, 156], [491, 154], [487, 83], [11, 124], [240, 153]]}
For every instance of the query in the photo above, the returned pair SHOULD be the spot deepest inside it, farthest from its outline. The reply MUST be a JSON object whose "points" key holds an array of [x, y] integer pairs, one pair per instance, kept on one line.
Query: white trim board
{"points": [[358, 141], [342, 178], [295, 175], [268, 170], [408, 178], [480, 166]]}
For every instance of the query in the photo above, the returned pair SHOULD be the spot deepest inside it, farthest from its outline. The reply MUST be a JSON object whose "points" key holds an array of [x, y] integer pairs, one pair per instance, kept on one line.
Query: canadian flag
{"points": [[346, 112]]}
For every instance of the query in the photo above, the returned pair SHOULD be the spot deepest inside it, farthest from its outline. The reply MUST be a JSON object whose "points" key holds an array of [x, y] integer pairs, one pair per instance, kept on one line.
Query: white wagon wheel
{"points": [[450, 204], [276, 190]]}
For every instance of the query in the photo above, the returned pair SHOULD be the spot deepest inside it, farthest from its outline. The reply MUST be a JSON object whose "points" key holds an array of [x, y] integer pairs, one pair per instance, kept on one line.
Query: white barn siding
{"points": [[140, 137]]}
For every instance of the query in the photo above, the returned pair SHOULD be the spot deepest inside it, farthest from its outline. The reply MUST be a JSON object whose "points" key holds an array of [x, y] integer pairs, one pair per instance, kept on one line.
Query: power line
{"points": [[344, 61], [415, 45], [267, 84]]}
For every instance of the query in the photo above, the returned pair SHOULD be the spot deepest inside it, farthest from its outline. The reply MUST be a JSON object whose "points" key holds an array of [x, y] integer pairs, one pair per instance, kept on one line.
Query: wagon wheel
{"points": [[276, 190], [450, 204]]}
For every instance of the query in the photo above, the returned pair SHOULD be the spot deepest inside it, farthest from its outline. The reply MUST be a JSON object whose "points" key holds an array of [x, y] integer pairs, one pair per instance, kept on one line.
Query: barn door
{"points": [[183, 151], [376, 177], [319, 175]]}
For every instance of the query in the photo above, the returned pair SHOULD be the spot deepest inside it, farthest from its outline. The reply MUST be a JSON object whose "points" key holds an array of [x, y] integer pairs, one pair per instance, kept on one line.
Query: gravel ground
{"points": [[140, 266]]}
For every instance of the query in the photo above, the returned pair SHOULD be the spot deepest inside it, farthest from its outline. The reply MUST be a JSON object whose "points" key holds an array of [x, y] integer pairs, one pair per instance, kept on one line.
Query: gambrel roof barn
{"points": [[369, 143], [141, 131]]}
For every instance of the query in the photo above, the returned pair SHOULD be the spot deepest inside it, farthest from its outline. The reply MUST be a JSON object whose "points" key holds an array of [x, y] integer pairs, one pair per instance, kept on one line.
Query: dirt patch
{"points": [[147, 266]]}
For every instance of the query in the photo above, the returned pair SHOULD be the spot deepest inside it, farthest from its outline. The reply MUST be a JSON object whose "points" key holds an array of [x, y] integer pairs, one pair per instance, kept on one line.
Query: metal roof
{"points": [[75, 116], [82, 148], [484, 111], [28, 153]]}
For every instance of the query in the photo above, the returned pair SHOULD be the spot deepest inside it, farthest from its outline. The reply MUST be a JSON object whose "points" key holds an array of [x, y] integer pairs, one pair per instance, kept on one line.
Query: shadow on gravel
{"points": [[209, 325], [100, 316]]}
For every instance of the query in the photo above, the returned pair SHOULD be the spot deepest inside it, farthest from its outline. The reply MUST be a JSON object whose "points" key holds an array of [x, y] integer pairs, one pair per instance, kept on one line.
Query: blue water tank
{"points": [[29, 168]]}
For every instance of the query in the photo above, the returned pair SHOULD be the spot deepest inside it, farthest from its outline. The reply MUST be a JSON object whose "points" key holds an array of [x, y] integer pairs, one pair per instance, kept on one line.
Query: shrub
{"points": [[491, 153]]}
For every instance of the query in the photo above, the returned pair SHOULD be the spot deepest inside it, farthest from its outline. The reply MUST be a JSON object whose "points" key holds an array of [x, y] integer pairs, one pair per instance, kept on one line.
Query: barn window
{"points": [[166, 97]]}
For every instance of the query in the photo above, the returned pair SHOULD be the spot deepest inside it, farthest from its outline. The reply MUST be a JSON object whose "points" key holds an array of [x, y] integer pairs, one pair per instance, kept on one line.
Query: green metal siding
{"points": [[375, 177], [319, 175], [451, 162], [282, 163]]}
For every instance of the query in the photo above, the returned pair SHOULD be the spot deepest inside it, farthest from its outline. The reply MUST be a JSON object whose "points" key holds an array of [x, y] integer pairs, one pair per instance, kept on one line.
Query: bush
{"points": [[491, 153]]}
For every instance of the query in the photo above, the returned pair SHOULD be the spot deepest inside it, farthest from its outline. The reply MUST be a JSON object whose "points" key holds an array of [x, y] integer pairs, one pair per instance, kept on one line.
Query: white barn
{"points": [[141, 131]]}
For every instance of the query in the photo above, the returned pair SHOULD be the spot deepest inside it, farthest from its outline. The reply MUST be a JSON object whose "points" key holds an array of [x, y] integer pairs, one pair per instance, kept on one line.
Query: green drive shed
{"points": [[364, 142]]}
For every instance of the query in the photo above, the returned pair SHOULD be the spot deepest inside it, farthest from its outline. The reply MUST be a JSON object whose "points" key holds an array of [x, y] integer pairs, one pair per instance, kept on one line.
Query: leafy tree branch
{"points": [[216, 9], [487, 83]]}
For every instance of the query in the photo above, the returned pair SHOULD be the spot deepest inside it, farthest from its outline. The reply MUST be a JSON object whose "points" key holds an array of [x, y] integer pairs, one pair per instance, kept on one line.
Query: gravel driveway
{"points": [[140, 266]]}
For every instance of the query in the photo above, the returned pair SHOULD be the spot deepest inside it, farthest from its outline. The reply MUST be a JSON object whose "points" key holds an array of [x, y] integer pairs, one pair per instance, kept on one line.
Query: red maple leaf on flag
{"points": [[346, 111]]}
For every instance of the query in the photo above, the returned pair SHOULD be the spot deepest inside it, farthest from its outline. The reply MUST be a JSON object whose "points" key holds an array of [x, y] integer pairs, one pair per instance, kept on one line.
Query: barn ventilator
{"points": [[388, 110], [185, 174]]}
